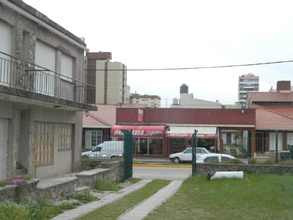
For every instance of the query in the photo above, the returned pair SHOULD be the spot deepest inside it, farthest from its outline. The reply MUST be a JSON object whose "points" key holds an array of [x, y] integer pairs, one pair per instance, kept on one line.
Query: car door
{"points": [[225, 159], [199, 151], [96, 152], [212, 159], [187, 156]]}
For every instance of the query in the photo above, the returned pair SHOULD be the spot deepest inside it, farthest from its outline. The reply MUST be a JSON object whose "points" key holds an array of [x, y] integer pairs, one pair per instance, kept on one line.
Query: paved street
{"points": [[161, 173]]}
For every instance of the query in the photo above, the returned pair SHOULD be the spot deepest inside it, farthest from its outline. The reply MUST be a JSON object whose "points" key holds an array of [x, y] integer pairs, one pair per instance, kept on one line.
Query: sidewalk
{"points": [[143, 209], [137, 212]]}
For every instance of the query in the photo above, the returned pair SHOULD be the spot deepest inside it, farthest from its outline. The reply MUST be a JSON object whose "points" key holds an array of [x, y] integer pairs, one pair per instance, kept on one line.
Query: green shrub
{"points": [[2, 183], [13, 211], [268, 161], [252, 161], [107, 186], [84, 196], [41, 209], [235, 161], [286, 162]]}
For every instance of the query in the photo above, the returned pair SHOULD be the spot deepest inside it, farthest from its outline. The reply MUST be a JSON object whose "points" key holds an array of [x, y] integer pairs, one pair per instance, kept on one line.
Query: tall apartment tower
{"points": [[110, 79], [246, 83]]}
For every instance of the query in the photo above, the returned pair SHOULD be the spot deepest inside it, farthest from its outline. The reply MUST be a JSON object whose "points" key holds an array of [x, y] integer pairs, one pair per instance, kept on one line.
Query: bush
{"points": [[85, 196], [107, 186], [41, 209], [13, 211], [235, 161], [286, 162], [252, 161], [268, 161]]}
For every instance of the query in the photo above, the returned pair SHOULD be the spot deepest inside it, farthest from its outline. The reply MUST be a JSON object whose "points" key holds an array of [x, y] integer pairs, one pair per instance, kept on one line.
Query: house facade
{"points": [[274, 113], [42, 94]]}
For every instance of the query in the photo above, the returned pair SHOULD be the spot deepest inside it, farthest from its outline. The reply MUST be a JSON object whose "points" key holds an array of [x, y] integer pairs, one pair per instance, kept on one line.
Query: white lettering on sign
{"points": [[140, 133]]}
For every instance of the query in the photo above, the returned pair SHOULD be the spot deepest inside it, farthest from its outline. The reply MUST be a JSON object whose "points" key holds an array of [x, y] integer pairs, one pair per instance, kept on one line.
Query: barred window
{"points": [[64, 137], [43, 143]]}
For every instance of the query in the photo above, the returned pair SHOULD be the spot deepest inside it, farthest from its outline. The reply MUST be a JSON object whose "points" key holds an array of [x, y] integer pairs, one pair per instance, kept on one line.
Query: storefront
{"points": [[148, 140], [179, 137]]}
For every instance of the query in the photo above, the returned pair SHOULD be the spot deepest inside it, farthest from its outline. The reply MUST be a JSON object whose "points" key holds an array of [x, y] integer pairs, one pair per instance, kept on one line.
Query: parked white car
{"points": [[186, 155], [214, 158], [105, 150]]}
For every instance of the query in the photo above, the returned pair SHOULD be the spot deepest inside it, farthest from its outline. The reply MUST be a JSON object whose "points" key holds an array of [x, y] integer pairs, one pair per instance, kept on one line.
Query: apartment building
{"points": [[246, 83], [42, 94], [151, 101], [109, 78]]}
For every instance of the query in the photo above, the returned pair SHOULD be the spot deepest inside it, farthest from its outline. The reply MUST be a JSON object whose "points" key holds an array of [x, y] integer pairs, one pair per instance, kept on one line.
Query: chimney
{"points": [[284, 86]]}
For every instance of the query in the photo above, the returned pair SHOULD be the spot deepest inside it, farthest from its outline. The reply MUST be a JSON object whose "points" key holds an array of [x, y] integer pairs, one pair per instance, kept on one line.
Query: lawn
{"points": [[257, 196]]}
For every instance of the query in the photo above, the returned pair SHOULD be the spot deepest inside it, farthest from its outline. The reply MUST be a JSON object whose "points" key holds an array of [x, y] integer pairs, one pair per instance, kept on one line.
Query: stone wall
{"points": [[252, 168], [62, 187]]}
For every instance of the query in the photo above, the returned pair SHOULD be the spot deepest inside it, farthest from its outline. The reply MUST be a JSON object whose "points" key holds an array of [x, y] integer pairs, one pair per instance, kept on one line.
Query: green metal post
{"points": [[128, 154], [193, 145], [277, 146]]}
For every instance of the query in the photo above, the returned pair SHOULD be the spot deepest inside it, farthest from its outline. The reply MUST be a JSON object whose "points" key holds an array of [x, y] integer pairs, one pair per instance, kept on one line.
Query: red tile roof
{"points": [[270, 119], [270, 96], [105, 116]]}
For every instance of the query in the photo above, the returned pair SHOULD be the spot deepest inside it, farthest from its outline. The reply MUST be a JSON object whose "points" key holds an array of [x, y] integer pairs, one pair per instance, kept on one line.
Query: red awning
{"points": [[139, 131]]}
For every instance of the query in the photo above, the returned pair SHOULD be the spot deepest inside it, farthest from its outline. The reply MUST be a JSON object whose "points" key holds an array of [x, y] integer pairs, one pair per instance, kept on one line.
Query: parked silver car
{"points": [[214, 158], [186, 155]]}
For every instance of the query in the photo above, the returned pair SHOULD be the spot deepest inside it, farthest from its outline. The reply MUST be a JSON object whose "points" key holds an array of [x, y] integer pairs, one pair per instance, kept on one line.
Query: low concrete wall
{"points": [[62, 187], [253, 168]]}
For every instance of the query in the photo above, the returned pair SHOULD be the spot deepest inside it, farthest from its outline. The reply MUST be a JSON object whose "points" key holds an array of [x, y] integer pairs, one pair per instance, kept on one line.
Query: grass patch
{"points": [[257, 196], [84, 196], [117, 208], [107, 186], [14, 211], [286, 162], [134, 180]]}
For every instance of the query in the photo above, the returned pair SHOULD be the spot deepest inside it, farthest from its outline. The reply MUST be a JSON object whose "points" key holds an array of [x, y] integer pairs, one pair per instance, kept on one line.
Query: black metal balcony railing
{"points": [[19, 74]]}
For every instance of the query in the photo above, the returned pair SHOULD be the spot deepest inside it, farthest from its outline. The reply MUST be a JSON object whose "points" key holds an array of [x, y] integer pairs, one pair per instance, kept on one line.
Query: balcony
{"points": [[29, 83]]}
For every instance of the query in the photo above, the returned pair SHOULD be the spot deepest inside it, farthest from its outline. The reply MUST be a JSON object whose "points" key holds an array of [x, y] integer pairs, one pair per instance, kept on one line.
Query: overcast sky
{"points": [[156, 34]]}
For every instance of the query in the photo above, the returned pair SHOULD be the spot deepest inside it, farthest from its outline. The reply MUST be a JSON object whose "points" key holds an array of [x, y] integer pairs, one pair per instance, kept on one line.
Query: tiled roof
{"points": [[104, 117], [270, 96], [269, 119]]}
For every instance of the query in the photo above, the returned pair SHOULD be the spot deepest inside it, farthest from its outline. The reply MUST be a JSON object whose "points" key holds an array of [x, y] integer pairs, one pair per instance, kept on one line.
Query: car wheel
{"points": [[176, 160]]}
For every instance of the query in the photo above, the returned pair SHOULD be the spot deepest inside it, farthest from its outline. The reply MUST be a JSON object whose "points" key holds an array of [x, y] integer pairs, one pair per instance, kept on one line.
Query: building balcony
{"points": [[25, 82]]}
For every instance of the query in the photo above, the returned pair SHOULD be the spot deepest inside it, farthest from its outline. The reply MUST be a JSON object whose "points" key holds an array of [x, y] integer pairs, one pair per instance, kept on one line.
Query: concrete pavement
{"points": [[138, 212], [143, 209]]}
